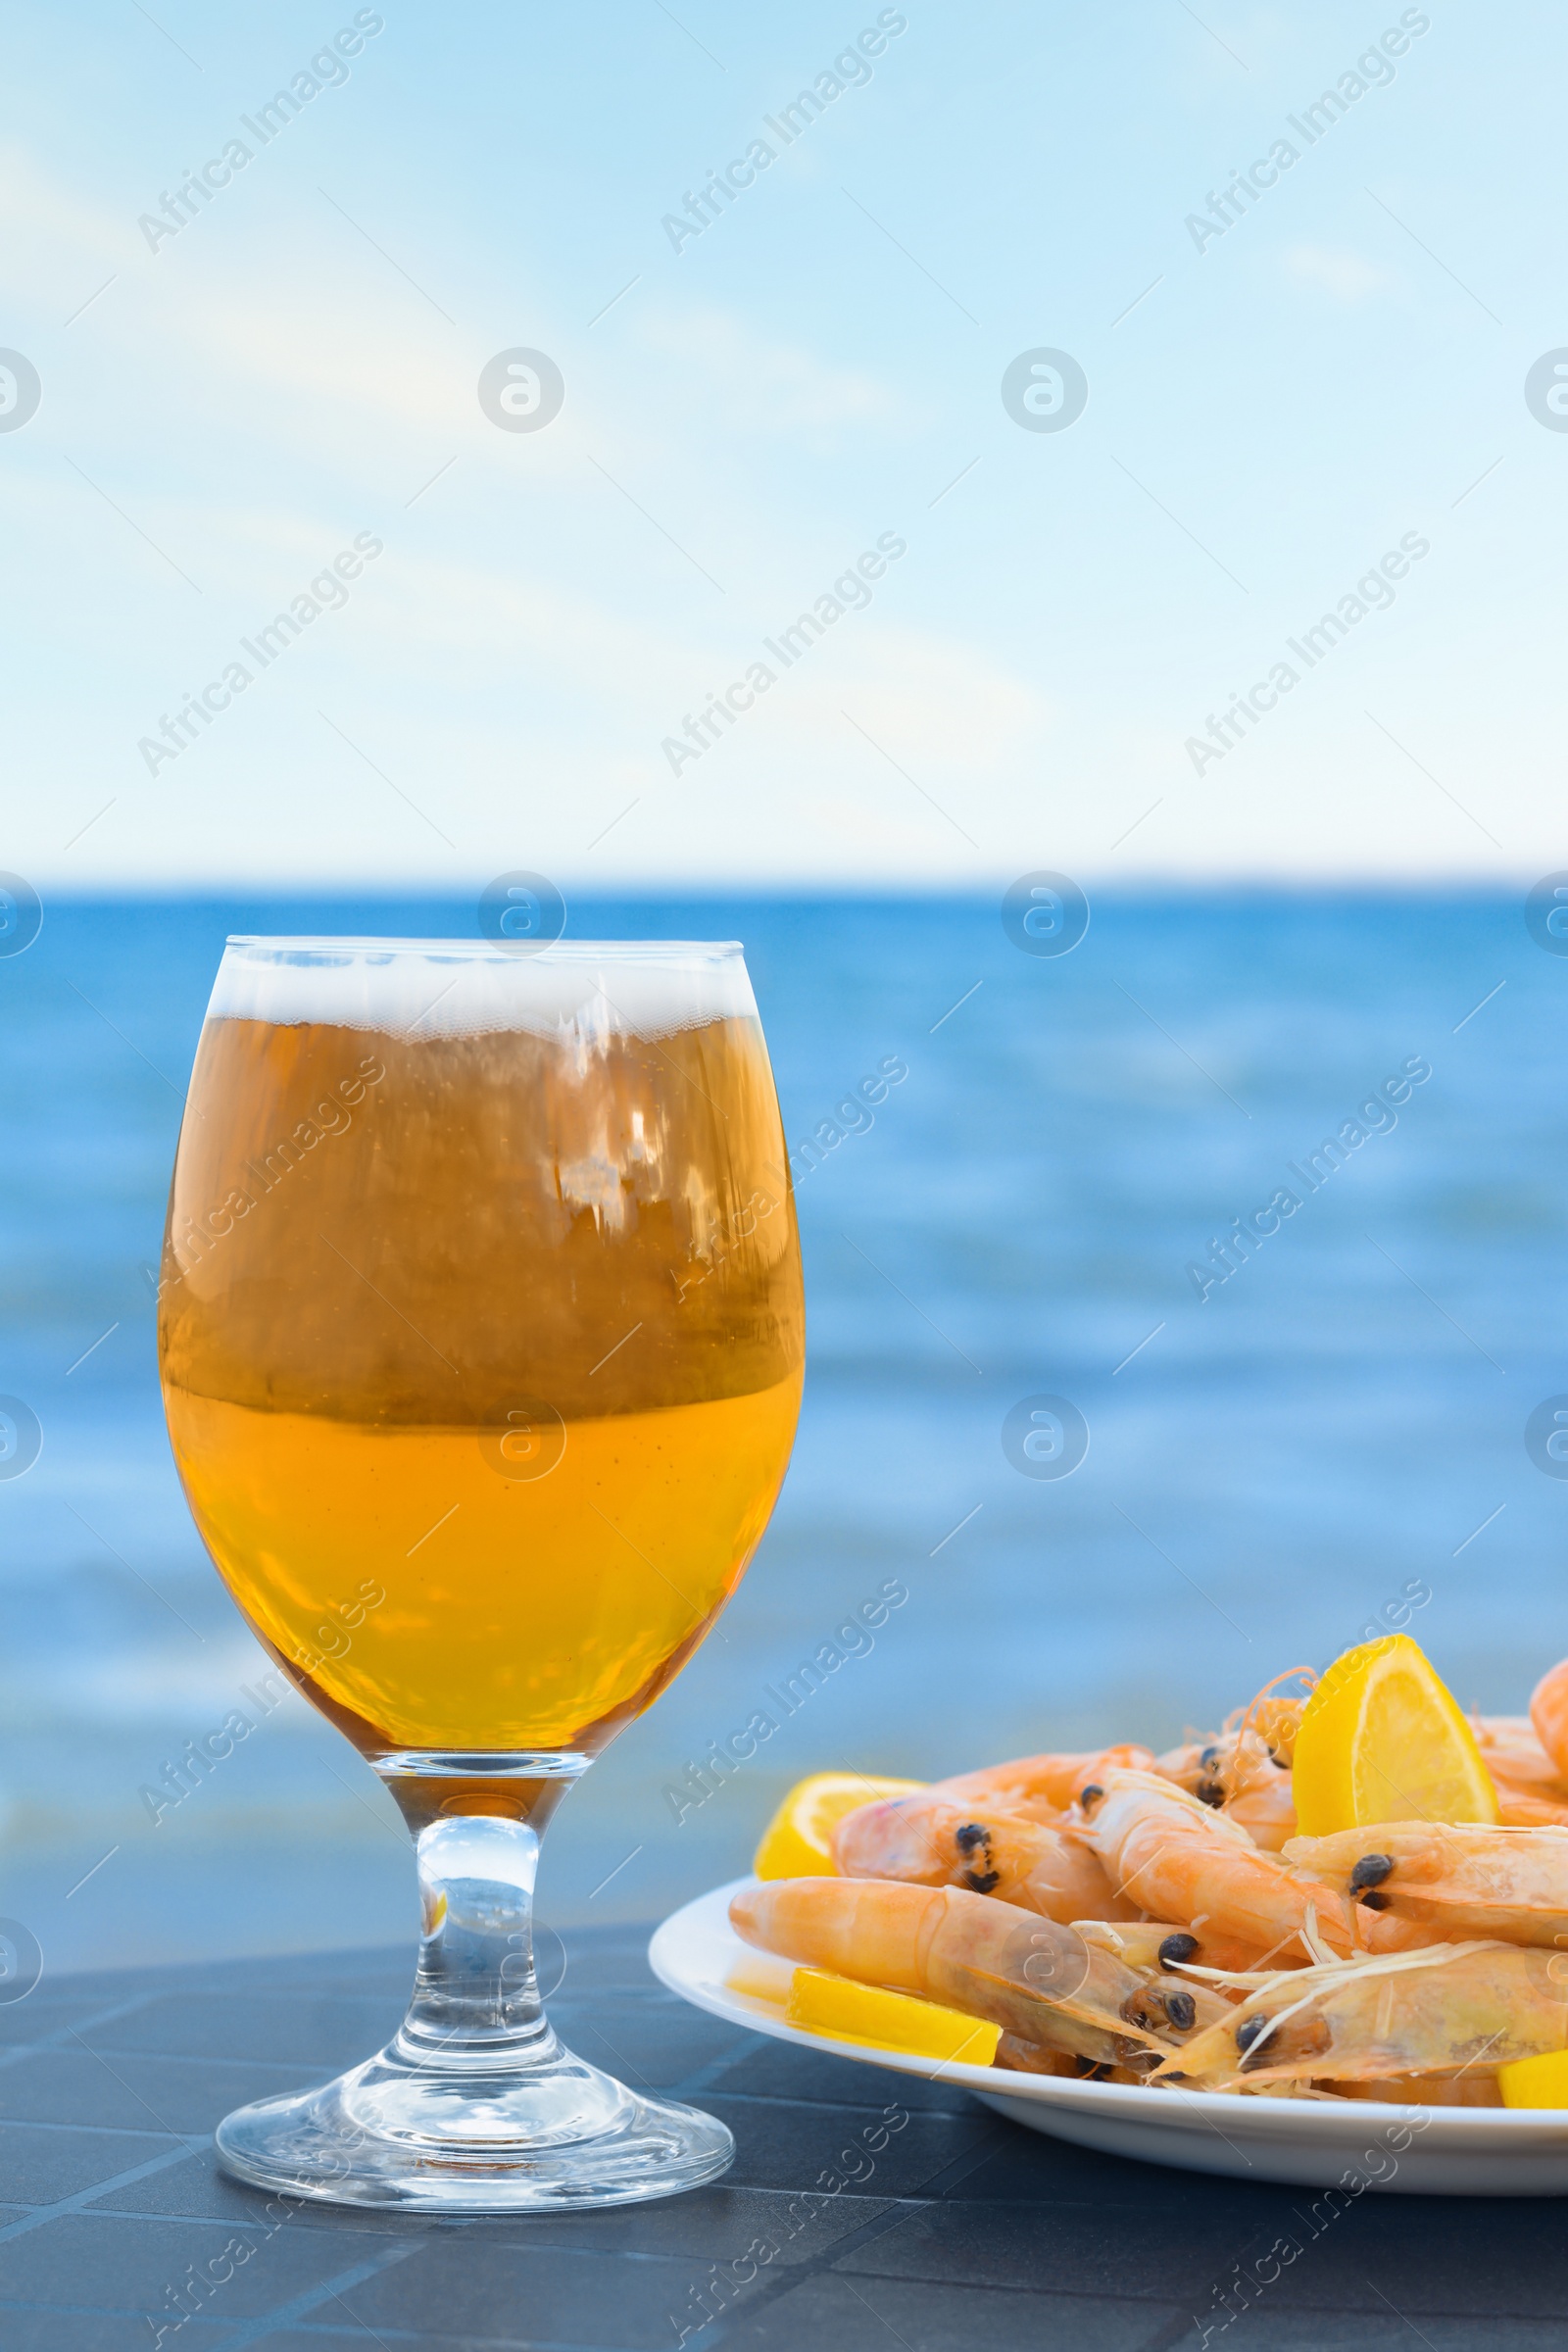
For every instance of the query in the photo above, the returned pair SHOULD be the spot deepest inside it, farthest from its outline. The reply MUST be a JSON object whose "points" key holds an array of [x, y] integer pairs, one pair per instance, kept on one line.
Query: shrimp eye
{"points": [[969, 1835], [1090, 1796], [1209, 1758], [1248, 2031], [1144, 2007], [1177, 1948], [1370, 1871], [1182, 2010], [1209, 1792]]}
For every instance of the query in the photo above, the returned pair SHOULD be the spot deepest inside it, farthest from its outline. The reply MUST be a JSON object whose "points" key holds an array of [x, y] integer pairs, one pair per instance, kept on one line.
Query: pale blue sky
{"points": [[1334, 374]]}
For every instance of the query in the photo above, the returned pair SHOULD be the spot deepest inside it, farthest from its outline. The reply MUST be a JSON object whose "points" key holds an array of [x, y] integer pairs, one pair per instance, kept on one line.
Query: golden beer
{"points": [[481, 1327]]}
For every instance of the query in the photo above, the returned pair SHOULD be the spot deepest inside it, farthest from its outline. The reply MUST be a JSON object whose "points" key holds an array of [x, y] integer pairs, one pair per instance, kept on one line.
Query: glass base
{"points": [[410, 2128]]}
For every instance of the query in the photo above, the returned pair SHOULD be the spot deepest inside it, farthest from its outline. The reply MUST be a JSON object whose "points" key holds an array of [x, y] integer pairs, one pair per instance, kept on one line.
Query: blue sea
{"points": [[1273, 1461]]}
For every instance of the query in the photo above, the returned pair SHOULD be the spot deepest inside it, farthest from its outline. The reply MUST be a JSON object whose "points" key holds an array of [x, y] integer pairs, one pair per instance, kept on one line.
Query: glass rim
{"points": [[499, 951]]}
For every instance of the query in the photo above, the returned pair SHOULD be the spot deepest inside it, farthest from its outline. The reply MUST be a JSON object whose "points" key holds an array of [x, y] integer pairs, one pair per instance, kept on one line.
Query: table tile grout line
{"points": [[420, 2337], [965, 2161], [425, 2341], [1183, 2324], [779, 2098], [45, 2122], [322, 1971], [311, 2298], [360, 2217], [896, 2210], [891, 2210], [1131, 2297], [62, 2206], [308, 2331], [784, 2281], [1128, 2298], [12, 2053], [709, 2074], [1175, 2323], [931, 2195], [323, 2216]]}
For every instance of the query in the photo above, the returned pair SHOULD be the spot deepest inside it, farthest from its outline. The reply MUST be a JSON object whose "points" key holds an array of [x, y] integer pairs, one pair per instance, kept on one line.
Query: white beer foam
{"points": [[417, 987]]}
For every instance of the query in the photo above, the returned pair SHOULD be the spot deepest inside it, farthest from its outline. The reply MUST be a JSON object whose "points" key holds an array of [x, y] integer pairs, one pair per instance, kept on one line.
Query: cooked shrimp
{"points": [[1020, 2057], [1266, 1811], [1525, 1809], [1512, 1751], [1182, 1860], [1033, 1977], [1054, 1778], [1137, 1942], [928, 1840], [1158, 1943], [1456, 1878], [1531, 1791], [1273, 1717], [1548, 1714], [1194, 1766], [1257, 1740], [1445, 2009], [1240, 1773]]}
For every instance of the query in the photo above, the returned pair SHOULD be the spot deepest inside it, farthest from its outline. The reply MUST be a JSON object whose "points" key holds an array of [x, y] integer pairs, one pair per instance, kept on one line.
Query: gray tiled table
{"points": [[958, 2229]]}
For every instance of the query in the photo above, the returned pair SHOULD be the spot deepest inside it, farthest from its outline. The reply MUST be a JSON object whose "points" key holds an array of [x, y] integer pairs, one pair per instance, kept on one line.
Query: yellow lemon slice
{"points": [[795, 1843], [1381, 1739], [1536, 2082], [888, 2021]]}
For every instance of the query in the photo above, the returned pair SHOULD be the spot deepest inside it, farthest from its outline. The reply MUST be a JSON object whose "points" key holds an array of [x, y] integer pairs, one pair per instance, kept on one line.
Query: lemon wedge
{"points": [[1536, 2082], [820, 2003], [1381, 1739], [794, 1843]]}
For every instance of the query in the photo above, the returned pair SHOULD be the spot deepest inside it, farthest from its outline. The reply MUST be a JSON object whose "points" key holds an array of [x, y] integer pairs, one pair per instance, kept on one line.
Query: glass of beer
{"points": [[481, 1339]]}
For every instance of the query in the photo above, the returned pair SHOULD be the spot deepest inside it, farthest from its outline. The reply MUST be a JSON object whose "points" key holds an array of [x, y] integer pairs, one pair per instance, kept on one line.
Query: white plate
{"points": [[1457, 2151]]}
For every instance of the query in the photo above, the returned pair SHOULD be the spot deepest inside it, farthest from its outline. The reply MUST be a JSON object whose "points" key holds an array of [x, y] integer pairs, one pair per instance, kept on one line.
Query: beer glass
{"points": [[482, 1340]]}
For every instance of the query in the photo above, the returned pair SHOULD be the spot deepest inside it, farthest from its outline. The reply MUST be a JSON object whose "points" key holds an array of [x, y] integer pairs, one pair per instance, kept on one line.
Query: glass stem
{"points": [[475, 1993]]}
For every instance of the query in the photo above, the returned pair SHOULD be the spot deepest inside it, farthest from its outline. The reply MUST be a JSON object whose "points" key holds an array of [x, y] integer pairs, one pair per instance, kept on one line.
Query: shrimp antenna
{"points": [[1243, 1717]]}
